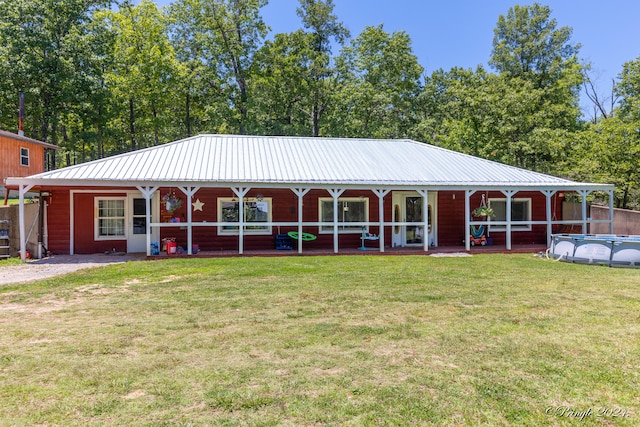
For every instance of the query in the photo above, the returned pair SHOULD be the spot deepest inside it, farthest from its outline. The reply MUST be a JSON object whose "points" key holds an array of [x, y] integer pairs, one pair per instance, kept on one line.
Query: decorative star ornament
{"points": [[197, 205]]}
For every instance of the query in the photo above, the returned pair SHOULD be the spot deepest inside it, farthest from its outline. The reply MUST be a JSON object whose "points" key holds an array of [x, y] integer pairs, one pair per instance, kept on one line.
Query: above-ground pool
{"points": [[606, 249]]}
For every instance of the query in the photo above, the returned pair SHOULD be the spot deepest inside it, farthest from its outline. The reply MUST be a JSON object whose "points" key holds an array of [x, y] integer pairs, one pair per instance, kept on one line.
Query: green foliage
{"points": [[528, 45], [100, 79], [379, 85]]}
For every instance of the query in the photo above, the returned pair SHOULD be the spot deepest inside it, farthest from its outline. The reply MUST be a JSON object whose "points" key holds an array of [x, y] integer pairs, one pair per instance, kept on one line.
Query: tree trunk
{"points": [[188, 113], [132, 129]]}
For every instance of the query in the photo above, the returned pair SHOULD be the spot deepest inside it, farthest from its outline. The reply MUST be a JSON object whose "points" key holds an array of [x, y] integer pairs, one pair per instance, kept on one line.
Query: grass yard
{"points": [[362, 340]]}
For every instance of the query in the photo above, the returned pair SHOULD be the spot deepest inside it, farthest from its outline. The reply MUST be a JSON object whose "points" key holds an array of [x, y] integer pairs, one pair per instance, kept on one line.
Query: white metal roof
{"points": [[211, 160]]}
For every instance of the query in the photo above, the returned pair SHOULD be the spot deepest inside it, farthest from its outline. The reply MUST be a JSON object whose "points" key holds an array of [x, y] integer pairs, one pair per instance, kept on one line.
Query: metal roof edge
{"points": [[12, 135], [569, 185]]}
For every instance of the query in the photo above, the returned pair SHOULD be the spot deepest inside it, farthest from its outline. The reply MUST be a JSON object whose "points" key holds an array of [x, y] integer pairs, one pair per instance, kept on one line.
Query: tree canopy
{"points": [[101, 77]]}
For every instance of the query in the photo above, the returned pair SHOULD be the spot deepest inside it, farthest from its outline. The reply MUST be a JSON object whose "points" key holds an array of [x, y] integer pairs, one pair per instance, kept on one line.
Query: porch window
{"points": [[349, 210], [24, 156], [520, 211], [256, 211], [110, 218]]}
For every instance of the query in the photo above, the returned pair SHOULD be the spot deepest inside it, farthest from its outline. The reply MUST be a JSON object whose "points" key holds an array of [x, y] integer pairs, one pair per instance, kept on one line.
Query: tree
{"points": [[629, 90], [318, 18], [49, 52], [223, 37], [143, 70], [282, 95], [380, 80], [527, 44]]}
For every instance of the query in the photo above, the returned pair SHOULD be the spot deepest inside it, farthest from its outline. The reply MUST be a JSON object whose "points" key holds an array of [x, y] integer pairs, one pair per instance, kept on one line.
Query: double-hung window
{"points": [[520, 211], [350, 210], [110, 218], [24, 156], [257, 213]]}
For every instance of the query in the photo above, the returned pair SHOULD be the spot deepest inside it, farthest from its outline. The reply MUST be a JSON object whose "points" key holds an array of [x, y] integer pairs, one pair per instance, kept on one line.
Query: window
{"points": [[349, 210], [520, 211], [256, 211], [24, 156], [110, 218]]}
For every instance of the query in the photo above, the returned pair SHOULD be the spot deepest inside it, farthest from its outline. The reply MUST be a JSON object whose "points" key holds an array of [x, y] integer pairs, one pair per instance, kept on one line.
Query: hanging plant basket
{"points": [[172, 202], [483, 210]]}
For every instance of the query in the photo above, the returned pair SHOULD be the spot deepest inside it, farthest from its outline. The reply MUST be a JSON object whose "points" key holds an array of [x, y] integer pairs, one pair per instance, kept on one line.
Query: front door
{"points": [[414, 212], [137, 240], [408, 207]]}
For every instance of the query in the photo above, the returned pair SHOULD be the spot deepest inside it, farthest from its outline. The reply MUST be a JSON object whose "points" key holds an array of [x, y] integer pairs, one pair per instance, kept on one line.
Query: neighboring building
{"points": [[21, 156], [409, 193]]}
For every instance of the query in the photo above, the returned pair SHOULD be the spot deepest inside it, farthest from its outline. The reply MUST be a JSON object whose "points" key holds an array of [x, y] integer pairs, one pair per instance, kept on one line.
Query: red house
{"points": [[21, 156], [228, 192]]}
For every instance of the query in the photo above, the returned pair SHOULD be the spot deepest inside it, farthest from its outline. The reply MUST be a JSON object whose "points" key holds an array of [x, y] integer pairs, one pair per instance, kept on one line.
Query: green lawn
{"points": [[362, 340]]}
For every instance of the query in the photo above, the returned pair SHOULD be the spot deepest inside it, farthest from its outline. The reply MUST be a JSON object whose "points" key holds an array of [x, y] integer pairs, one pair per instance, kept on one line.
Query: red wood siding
{"points": [[451, 217], [84, 226], [450, 220], [10, 158], [58, 220], [284, 209]]}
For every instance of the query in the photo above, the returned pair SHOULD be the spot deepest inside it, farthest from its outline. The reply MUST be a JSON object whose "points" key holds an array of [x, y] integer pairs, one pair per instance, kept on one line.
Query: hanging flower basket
{"points": [[171, 202], [482, 211]]}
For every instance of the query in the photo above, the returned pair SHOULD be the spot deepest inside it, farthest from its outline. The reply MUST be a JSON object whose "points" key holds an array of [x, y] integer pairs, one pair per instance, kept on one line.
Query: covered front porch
{"points": [[398, 220]]}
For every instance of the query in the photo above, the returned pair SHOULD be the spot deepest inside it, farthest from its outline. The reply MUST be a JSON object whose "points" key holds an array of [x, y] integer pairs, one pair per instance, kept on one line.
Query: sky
{"points": [[459, 33]]}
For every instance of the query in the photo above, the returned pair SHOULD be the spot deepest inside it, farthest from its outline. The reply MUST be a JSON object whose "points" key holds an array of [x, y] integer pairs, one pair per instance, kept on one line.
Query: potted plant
{"points": [[171, 202], [482, 211]]}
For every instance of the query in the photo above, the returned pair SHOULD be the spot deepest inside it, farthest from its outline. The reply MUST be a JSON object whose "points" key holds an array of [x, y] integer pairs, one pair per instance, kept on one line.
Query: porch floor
{"points": [[475, 250]]}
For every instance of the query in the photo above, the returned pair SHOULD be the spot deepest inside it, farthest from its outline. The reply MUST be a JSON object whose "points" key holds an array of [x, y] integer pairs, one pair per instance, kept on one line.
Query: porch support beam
{"points": [[583, 196], [509, 194], [549, 194], [23, 235], [300, 192], [147, 193], [467, 219], [381, 193], [335, 193], [189, 191], [240, 192], [425, 218], [611, 211]]}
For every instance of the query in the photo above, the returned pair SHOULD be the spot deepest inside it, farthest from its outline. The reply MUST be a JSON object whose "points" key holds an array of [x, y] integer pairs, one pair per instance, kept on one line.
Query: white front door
{"points": [[137, 233], [409, 207]]}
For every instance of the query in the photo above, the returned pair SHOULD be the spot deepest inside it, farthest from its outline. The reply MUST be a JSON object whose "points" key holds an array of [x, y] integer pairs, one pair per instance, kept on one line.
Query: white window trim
{"points": [[27, 157], [515, 225], [247, 232], [341, 229], [96, 218]]}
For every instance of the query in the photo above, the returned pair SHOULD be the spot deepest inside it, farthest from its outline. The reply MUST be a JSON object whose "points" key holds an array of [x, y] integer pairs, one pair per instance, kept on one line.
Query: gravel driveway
{"points": [[57, 265]]}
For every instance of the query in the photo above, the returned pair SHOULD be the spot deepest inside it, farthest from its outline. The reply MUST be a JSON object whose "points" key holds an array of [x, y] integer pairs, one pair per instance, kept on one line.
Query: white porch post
{"points": [[611, 211], [23, 236], [509, 194], [467, 219], [425, 218], [335, 193], [240, 192], [381, 194], [189, 191], [147, 193], [583, 196], [300, 192], [548, 194]]}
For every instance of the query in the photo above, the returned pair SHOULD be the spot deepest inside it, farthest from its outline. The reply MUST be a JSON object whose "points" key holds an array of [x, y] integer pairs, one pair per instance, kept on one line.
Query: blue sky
{"points": [[459, 33]]}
